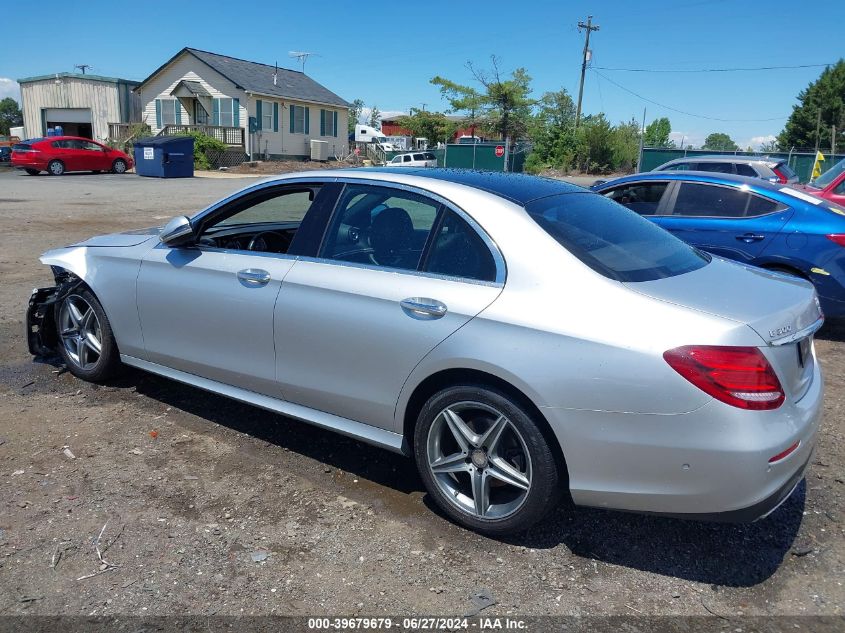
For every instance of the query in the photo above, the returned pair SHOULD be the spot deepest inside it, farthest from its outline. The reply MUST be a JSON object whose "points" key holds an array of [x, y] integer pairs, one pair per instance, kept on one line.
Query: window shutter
{"points": [[275, 117], [258, 112], [292, 111], [177, 106], [215, 115], [322, 122], [307, 120], [158, 113], [334, 116], [236, 112]]}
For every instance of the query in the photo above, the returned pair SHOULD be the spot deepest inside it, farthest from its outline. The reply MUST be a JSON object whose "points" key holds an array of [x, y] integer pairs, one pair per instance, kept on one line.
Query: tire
{"points": [[118, 166], [81, 325], [55, 168], [32, 172], [96, 171], [494, 447]]}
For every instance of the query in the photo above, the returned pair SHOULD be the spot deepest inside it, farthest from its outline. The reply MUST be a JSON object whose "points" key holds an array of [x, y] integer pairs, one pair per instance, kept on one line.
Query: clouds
{"points": [[10, 88], [385, 114], [757, 141], [688, 139]]}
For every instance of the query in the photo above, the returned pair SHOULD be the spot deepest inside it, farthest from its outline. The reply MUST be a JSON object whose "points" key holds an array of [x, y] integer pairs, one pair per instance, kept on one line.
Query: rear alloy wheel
{"points": [[86, 342], [485, 461], [119, 166], [32, 172], [55, 168]]}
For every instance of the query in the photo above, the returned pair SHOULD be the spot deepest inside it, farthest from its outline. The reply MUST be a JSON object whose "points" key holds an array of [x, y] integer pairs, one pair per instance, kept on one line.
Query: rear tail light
{"points": [[739, 376], [837, 238], [782, 179], [784, 454]]}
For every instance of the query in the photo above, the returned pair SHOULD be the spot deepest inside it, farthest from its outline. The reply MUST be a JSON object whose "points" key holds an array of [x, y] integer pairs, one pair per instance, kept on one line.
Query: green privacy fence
{"points": [[481, 156], [800, 162]]}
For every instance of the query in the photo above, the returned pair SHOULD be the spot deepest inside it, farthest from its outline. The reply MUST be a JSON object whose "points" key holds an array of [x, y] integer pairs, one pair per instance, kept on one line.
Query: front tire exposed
{"points": [[119, 166], [86, 341], [485, 461]]}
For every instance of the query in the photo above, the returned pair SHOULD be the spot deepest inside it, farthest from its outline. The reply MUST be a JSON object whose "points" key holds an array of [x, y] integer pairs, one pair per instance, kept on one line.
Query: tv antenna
{"points": [[302, 56], [83, 67]]}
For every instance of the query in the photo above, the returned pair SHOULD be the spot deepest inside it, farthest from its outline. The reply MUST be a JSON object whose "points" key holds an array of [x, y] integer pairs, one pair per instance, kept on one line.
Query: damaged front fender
{"points": [[41, 335]]}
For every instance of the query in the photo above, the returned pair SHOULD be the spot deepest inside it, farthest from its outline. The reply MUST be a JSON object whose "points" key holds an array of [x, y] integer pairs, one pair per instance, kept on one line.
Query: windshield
{"points": [[381, 139], [612, 240], [829, 176]]}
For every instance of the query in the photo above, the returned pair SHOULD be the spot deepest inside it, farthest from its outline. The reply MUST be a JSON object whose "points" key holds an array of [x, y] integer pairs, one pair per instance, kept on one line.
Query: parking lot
{"points": [[208, 506]]}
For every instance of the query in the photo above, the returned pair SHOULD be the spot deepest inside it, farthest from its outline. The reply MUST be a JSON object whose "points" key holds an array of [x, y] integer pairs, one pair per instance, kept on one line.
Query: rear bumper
{"points": [[708, 464], [29, 163]]}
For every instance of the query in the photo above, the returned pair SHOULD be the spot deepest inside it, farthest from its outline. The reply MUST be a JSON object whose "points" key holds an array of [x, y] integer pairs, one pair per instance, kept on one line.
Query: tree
{"points": [[10, 115], [375, 118], [355, 114], [626, 145], [770, 146], [719, 141], [505, 103], [433, 126], [657, 134], [825, 95], [462, 99], [595, 144], [552, 132]]}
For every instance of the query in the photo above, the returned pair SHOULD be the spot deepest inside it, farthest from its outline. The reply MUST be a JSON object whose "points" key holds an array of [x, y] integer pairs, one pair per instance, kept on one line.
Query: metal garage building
{"points": [[83, 105]]}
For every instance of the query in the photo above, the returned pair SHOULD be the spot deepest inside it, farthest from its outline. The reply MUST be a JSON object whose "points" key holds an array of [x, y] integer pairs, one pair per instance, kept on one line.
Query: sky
{"points": [[385, 53]]}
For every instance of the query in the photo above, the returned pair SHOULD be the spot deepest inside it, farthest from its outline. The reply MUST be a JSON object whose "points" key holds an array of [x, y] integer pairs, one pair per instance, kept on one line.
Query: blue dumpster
{"points": [[165, 157]]}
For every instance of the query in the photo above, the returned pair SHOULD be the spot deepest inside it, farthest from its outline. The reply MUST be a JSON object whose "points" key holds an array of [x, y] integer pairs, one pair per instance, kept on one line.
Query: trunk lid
{"points": [[782, 310]]}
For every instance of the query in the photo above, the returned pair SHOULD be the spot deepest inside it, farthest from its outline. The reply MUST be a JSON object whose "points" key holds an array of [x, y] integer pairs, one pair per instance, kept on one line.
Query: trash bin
{"points": [[165, 157]]}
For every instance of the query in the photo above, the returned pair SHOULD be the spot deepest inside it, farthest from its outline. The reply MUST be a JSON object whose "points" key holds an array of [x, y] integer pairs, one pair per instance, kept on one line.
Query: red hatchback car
{"points": [[58, 154], [830, 185]]}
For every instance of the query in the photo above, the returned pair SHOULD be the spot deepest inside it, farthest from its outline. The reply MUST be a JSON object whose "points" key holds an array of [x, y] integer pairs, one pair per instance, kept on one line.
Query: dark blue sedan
{"points": [[749, 220]]}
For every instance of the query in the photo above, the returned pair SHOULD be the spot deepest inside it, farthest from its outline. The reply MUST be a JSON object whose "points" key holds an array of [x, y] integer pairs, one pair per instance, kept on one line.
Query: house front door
{"points": [[200, 115]]}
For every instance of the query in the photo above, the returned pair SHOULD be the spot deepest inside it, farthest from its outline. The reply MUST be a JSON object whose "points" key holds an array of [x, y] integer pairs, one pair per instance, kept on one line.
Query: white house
{"points": [[287, 108]]}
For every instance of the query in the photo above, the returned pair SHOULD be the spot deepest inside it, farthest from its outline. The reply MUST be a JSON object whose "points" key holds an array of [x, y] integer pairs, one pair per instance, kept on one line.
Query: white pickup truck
{"points": [[413, 159]]}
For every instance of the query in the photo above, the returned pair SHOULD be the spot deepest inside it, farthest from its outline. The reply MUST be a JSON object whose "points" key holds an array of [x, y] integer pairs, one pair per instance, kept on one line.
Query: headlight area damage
{"points": [[41, 335]]}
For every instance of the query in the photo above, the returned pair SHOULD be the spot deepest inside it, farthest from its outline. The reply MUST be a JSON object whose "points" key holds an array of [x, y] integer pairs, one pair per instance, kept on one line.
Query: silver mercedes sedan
{"points": [[522, 339]]}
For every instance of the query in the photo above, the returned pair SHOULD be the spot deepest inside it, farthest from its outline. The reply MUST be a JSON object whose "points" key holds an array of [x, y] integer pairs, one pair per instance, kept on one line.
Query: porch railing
{"points": [[233, 136]]}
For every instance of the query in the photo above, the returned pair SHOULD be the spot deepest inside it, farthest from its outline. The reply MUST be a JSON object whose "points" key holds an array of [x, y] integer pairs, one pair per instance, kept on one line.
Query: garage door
{"points": [[68, 115]]}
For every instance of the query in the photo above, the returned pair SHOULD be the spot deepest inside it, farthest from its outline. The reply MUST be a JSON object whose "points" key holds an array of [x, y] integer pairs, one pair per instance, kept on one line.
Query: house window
{"points": [[267, 116], [327, 123], [168, 111], [298, 119], [226, 118]]}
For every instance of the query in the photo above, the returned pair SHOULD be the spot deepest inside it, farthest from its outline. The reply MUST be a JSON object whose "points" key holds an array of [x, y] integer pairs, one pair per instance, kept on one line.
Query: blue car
{"points": [[749, 220]]}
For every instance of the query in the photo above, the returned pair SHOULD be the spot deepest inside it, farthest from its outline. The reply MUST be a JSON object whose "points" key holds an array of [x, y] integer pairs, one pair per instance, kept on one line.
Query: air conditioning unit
{"points": [[319, 150]]}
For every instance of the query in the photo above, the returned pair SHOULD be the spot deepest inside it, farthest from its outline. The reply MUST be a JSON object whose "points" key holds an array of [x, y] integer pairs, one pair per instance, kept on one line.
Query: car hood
{"points": [[774, 305], [129, 238]]}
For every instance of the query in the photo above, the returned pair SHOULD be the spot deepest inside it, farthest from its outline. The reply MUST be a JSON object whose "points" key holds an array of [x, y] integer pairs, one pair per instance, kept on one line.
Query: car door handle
{"points": [[254, 277], [750, 237], [422, 307]]}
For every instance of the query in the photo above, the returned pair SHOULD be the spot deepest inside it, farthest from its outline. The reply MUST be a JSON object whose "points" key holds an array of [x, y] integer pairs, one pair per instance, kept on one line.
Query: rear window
{"points": [[786, 170], [21, 147], [612, 240]]}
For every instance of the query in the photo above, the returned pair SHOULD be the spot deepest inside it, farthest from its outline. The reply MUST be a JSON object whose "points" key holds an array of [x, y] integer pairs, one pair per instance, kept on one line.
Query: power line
{"points": [[692, 114], [708, 70]]}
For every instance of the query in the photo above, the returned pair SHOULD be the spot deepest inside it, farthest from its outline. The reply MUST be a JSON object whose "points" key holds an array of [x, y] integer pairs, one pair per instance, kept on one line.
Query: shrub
{"points": [[203, 144]]}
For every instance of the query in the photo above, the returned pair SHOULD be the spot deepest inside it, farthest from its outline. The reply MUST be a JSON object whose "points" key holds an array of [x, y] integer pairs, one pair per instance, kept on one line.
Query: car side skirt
{"points": [[358, 430]]}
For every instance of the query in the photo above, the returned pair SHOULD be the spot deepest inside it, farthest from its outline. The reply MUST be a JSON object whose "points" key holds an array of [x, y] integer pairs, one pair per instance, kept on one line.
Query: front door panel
{"points": [[209, 312], [346, 345]]}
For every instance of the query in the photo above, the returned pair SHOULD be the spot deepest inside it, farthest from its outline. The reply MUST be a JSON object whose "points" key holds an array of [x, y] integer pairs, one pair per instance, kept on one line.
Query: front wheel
{"points": [[86, 342], [119, 166], [485, 460]]}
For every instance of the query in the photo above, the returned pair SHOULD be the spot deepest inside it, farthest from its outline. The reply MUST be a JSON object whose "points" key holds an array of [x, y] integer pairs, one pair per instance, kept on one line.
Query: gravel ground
{"points": [[207, 506]]}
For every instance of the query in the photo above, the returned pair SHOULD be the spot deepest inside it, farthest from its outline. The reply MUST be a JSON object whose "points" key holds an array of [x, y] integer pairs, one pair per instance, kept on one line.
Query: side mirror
{"points": [[177, 232]]}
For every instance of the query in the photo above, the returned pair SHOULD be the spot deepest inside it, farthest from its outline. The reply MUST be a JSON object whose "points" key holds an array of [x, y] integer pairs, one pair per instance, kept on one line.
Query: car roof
{"points": [[518, 188], [700, 176], [724, 158]]}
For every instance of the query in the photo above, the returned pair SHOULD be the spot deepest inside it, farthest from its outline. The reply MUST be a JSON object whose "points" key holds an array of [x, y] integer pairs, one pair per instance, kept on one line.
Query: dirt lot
{"points": [[208, 506]]}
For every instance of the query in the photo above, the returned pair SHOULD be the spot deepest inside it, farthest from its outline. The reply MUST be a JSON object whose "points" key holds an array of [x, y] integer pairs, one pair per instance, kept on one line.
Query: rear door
{"points": [[397, 273], [643, 197], [722, 219]]}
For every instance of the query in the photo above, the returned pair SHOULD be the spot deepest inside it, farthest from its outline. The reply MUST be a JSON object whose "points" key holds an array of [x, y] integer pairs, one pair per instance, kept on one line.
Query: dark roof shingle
{"points": [[255, 77]]}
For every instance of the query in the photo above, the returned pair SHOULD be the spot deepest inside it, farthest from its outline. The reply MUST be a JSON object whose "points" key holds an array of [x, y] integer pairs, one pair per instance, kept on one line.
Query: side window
{"points": [[276, 206], [406, 158], [91, 147], [721, 168], [642, 198], [701, 200], [746, 170], [60, 144], [757, 205], [380, 226], [840, 189], [458, 251], [680, 167]]}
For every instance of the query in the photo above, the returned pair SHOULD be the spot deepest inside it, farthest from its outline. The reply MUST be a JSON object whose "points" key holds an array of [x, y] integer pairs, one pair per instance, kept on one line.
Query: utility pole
{"points": [[642, 144], [589, 28]]}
